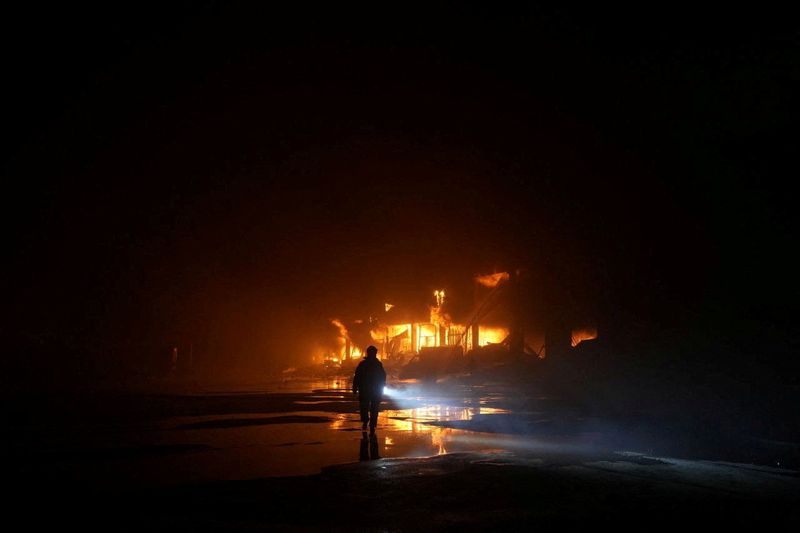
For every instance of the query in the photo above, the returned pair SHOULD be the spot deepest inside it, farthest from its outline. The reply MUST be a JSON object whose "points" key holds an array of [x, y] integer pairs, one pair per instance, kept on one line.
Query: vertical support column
{"points": [[475, 336], [475, 327], [414, 337], [516, 338]]}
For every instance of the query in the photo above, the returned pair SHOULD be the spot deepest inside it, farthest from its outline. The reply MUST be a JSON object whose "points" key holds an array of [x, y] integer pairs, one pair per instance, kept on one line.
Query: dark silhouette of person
{"points": [[368, 383]]}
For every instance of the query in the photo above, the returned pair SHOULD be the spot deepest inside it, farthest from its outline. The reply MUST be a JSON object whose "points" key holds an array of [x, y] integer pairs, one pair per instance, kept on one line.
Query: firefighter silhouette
{"points": [[368, 383]]}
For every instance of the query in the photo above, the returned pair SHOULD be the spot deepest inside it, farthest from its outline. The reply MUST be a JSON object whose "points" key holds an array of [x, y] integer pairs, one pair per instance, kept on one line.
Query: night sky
{"points": [[234, 176]]}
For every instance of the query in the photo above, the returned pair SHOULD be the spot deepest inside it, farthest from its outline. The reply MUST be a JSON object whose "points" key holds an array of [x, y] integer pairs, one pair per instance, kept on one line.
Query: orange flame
{"points": [[491, 335], [583, 334], [342, 329], [439, 317], [389, 331], [399, 329], [344, 337], [492, 280], [439, 295]]}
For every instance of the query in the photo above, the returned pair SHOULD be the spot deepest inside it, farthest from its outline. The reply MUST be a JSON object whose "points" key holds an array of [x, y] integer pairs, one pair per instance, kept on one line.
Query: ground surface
{"points": [[294, 457]]}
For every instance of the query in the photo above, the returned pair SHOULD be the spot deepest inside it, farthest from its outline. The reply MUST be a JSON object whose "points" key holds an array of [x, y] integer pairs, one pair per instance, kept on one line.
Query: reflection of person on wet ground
{"points": [[368, 448], [474, 401], [368, 383]]}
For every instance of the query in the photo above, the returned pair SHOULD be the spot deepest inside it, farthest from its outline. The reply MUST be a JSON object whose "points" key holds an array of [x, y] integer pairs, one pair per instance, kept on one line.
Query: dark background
{"points": [[233, 176]]}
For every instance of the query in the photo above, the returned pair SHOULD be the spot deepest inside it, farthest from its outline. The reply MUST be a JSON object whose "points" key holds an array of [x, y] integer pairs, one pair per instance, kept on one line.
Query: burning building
{"points": [[498, 318], [490, 324]]}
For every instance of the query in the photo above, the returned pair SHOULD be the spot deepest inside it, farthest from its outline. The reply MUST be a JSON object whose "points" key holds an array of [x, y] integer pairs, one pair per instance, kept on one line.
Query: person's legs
{"points": [[374, 407], [364, 406]]}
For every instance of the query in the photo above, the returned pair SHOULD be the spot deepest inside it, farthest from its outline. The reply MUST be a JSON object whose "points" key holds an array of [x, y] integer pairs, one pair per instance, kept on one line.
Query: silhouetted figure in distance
{"points": [[368, 383]]}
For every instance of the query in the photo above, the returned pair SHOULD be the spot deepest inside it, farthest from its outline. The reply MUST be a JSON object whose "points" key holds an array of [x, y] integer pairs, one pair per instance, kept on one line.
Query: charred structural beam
{"points": [[516, 335]]}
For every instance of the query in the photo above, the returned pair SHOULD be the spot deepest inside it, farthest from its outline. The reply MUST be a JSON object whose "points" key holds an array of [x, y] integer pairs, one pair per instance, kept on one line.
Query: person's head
{"points": [[372, 352]]}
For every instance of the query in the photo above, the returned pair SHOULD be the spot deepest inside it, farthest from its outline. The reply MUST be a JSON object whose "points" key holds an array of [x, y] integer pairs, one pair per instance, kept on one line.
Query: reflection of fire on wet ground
{"points": [[255, 433], [417, 422], [295, 429], [406, 425]]}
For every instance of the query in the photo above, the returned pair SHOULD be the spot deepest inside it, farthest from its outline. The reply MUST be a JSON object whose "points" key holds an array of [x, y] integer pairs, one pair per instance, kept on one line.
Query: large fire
{"points": [[402, 342]]}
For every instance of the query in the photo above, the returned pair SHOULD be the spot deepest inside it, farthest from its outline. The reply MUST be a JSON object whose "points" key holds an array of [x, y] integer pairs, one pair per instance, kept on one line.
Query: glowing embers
{"points": [[583, 334], [492, 280]]}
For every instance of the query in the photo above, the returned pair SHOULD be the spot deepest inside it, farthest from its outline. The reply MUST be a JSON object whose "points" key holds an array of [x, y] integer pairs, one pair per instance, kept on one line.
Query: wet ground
{"points": [[254, 448], [283, 429]]}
